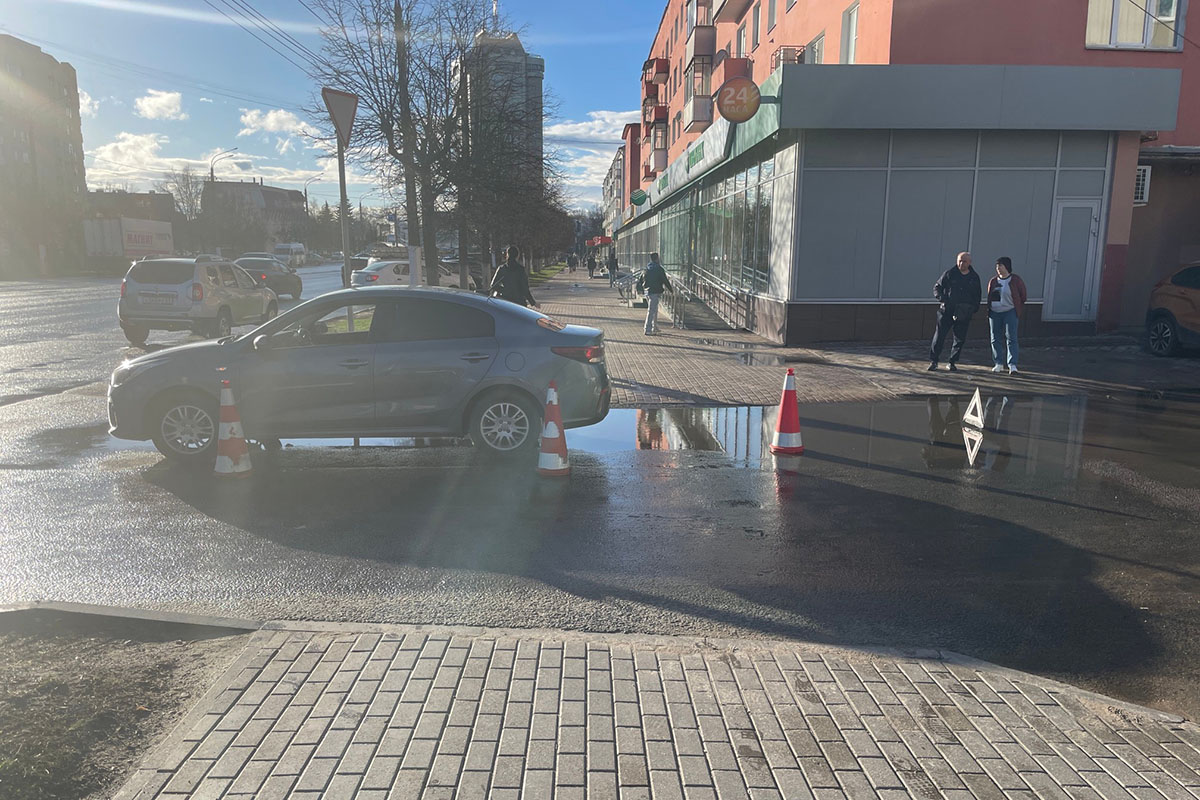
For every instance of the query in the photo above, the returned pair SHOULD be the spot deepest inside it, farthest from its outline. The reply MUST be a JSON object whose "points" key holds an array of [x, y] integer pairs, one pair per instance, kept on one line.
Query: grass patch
{"points": [[82, 698], [545, 273]]}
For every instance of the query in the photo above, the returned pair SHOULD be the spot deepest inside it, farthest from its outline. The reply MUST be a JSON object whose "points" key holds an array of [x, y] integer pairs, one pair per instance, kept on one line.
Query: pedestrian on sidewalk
{"points": [[654, 282], [959, 293], [510, 282], [591, 265], [612, 270], [572, 262], [1006, 299]]}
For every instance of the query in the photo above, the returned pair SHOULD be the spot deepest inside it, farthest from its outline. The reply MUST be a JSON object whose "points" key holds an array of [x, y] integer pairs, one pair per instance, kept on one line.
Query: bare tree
{"points": [[186, 186]]}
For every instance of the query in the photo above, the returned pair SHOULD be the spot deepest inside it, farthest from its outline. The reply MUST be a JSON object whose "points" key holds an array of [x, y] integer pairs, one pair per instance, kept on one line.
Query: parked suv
{"points": [[1173, 318], [205, 294]]}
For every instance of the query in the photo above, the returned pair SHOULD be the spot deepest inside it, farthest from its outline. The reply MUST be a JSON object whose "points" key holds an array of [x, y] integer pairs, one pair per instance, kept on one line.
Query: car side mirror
{"points": [[292, 270], [262, 343]]}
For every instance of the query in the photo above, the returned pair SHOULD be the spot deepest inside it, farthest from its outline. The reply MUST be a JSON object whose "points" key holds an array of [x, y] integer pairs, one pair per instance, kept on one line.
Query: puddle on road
{"points": [[756, 358], [1153, 435]]}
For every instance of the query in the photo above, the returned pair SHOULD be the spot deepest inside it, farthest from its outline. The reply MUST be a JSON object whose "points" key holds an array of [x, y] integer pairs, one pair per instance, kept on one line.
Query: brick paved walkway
{"points": [[405, 712], [687, 367]]}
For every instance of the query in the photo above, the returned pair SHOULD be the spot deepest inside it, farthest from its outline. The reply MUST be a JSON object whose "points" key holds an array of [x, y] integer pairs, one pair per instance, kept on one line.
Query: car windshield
{"points": [[165, 272]]}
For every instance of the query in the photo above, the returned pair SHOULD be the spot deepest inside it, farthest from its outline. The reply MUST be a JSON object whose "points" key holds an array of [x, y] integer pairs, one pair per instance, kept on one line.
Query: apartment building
{"points": [[42, 187], [894, 134], [614, 196]]}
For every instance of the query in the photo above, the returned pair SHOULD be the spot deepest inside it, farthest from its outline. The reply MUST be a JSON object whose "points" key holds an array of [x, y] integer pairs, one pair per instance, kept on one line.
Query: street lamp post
{"points": [[306, 183], [213, 161]]}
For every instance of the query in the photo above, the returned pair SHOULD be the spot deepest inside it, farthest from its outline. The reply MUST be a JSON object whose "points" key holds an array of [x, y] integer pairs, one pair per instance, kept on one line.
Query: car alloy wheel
{"points": [[1162, 337], [187, 429], [504, 426]]}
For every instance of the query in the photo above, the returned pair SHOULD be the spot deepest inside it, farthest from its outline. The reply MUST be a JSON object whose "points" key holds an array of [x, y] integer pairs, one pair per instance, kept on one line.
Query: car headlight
{"points": [[128, 370]]}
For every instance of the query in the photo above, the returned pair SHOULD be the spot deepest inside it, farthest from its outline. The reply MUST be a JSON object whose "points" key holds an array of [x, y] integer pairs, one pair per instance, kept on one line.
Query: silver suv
{"points": [[205, 294]]}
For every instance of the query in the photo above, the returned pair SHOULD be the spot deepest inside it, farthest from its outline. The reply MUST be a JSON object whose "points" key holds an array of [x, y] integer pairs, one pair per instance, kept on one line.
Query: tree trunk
{"points": [[407, 131], [433, 275]]}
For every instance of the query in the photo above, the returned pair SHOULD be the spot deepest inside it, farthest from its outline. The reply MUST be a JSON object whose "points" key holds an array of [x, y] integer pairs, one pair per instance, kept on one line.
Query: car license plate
{"points": [[156, 299]]}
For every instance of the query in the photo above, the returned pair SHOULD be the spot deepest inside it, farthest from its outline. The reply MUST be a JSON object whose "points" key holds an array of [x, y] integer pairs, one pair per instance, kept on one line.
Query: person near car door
{"points": [[1006, 299], [958, 293], [654, 282], [510, 282]]}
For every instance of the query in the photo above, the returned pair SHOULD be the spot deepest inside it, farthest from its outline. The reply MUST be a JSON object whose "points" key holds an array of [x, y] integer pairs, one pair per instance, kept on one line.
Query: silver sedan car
{"points": [[386, 362]]}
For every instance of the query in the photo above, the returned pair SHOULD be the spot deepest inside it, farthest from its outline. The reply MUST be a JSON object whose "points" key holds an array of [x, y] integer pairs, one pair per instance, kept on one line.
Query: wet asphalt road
{"points": [[1069, 548]]}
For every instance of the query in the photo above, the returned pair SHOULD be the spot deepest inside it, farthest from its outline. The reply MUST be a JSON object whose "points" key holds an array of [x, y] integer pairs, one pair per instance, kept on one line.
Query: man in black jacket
{"points": [[653, 282], [959, 292], [511, 283]]}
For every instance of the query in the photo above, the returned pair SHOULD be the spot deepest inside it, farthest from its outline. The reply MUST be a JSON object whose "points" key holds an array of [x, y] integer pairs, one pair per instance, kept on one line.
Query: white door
{"points": [[1070, 273]]}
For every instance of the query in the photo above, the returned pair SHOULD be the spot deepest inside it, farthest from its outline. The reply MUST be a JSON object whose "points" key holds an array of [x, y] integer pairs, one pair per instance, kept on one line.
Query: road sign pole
{"points": [[345, 215]]}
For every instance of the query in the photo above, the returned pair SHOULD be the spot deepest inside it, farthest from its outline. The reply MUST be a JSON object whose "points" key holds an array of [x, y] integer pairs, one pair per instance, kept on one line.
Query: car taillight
{"points": [[372, 278], [588, 355], [197, 292], [264, 277], [122, 287]]}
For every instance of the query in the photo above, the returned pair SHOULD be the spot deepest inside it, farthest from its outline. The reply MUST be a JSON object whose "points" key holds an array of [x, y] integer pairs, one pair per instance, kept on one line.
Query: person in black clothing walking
{"points": [[959, 292], [591, 265], [653, 282], [510, 282]]}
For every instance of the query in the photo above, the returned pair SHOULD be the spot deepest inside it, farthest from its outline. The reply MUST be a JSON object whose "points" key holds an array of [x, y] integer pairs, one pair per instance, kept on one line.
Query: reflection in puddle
{"points": [[756, 358]]}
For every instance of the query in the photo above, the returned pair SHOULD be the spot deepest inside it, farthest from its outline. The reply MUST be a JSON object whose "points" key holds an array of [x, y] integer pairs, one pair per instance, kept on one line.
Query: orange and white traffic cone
{"points": [[552, 461], [787, 440], [233, 456]]}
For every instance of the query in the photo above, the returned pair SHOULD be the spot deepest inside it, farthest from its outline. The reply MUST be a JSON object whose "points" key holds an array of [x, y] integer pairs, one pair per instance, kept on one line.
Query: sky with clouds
{"points": [[164, 83]]}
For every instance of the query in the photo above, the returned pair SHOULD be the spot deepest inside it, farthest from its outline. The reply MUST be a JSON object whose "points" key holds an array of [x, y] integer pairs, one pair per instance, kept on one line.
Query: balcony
{"points": [[652, 114], [730, 10], [731, 68], [702, 42], [787, 54], [697, 114], [656, 162], [655, 70]]}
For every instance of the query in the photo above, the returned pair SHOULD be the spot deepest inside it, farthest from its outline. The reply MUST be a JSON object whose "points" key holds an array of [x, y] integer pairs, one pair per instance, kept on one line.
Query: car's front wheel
{"points": [[185, 427], [1162, 336], [505, 423], [136, 334], [272, 312]]}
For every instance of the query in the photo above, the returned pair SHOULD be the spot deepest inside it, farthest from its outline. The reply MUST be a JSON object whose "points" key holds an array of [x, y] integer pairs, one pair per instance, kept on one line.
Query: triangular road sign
{"points": [[973, 439], [342, 108], [974, 415]]}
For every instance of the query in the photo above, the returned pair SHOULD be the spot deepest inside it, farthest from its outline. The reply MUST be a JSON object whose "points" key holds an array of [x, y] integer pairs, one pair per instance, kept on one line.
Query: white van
{"points": [[292, 253]]}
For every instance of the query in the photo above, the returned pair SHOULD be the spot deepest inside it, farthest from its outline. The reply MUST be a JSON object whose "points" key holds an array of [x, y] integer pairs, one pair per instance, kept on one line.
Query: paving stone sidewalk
{"points": [[373, 712], [727, 367]]}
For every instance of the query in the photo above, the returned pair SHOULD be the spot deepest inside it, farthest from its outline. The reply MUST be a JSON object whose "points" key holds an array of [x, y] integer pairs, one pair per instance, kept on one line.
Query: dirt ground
{"points": [[84, 697]]}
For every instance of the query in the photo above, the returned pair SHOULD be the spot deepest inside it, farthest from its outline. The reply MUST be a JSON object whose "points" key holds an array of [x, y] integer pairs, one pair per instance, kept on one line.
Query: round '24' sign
{"points": [[738, 99]]}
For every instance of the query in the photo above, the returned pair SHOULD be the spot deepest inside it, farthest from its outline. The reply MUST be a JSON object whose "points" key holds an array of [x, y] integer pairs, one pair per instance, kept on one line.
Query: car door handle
{"points": [[473, 357], [353, 363]]}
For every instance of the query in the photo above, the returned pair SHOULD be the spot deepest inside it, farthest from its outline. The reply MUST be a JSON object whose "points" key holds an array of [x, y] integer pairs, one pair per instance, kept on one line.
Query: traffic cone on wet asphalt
{"points": [[233, 456], [552, 460], [787, 440]]}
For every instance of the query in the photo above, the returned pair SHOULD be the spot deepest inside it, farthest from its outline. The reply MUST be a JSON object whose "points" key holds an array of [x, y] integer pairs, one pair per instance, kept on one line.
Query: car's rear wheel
{"points": [[136, 334], [1162, 336], [185, 426], [222, 326], [505, 424]]}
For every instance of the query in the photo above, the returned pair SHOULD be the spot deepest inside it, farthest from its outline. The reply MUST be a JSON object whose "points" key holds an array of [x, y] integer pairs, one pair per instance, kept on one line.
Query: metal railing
{"points": [[787, 54]]}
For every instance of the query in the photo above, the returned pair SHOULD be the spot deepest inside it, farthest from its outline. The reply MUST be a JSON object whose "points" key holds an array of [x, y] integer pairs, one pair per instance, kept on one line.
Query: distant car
{"points": [[293, 254], [205, 294], [281, 280], [1173, 317], [388, 362], [384, 272], [339, 256]]}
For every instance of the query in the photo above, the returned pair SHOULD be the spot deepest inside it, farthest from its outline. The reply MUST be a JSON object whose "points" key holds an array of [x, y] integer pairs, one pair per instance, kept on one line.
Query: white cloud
{"points": [[587, 148], [87, 106], [206, 99], [158, 104], [600, 125], [277, 120], [283, 144]]}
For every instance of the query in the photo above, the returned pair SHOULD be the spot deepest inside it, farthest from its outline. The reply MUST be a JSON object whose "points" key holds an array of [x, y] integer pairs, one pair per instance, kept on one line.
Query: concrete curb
{"points": [[171, 617]]}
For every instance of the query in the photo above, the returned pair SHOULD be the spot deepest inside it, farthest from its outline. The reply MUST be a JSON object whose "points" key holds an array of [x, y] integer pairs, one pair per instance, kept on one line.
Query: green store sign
{"points": [[695, 155]]}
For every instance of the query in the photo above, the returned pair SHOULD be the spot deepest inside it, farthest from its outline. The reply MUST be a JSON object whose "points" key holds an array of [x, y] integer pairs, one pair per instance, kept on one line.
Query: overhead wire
{"points": [[269, 28], [296, 43], [263, 41], [115, 66]]}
